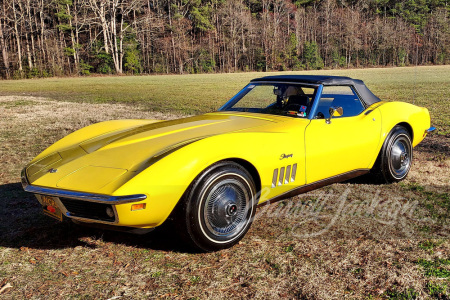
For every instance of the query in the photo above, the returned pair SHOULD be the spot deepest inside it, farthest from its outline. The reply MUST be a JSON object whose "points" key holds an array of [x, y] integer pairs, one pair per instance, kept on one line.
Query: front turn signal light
{"points": [[139, 206]]}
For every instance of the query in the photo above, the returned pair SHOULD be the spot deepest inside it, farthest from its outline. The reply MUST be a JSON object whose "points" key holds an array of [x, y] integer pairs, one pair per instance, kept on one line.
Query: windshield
{"points": [[274, 98]]}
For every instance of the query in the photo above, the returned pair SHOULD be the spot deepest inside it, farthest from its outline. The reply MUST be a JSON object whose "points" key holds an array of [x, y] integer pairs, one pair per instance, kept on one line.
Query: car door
{"points": [[345, 143]]}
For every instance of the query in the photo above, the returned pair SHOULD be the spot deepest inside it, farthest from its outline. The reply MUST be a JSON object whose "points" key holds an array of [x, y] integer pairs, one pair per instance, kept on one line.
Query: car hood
{"points": [[98, 161]]}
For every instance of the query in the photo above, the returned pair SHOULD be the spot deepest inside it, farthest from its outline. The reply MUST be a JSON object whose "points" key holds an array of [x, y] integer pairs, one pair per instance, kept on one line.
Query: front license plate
{"points": [[50, 207]]}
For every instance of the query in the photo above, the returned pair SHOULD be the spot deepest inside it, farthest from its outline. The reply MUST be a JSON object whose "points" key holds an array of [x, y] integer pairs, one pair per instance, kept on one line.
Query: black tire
{"points": [[218, 209], [396, 155]]}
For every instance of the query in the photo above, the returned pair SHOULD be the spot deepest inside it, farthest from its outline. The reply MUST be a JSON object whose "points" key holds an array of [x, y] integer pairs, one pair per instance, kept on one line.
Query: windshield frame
{"points": [[236, 98]]}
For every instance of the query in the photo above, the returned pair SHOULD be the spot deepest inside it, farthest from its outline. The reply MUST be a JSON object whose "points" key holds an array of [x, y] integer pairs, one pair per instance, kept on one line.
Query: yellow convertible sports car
{"points": [[278, 137]]}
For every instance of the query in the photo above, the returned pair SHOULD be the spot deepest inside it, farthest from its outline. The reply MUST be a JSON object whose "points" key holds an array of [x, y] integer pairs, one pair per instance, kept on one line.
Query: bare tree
{"points": [[3, 46], [177, 36], [18, 36]]}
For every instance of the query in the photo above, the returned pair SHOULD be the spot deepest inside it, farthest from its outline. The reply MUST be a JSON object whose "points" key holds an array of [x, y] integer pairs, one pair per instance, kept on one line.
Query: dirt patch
{"points": [[35, 109]]}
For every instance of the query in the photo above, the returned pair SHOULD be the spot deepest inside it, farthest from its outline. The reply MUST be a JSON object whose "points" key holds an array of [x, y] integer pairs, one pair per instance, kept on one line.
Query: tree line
{"points": [[40, 38]]}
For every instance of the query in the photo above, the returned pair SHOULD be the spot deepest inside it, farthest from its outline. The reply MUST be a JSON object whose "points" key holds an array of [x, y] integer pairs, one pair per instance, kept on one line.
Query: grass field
{"points": [[195, 94], [354, 240]]}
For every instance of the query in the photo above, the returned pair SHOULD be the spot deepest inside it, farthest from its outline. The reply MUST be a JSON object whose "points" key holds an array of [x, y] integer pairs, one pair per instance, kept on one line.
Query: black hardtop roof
{"points": [[314, 79], [367, 96]]}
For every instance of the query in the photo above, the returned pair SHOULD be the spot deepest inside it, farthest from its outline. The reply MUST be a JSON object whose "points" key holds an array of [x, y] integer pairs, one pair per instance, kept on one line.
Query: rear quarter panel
{"points": [[393, 113]]}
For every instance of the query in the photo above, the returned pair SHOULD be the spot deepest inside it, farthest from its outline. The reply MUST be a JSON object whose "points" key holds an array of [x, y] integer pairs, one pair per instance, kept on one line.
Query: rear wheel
{"points": [[396, 155], [219, 208]]}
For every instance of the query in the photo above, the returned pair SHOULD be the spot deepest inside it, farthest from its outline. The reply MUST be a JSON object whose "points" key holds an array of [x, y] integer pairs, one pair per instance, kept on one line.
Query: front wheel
{"points": [[396, 155], [219, 208]]}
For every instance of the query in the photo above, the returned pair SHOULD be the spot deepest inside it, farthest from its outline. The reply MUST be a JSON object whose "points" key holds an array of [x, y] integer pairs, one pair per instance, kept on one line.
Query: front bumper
{"points": [[84, 207], [97, 198]]}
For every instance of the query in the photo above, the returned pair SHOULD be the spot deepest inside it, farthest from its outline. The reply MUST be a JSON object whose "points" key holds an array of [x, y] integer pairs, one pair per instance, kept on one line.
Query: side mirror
{"points": [[335, 111]]}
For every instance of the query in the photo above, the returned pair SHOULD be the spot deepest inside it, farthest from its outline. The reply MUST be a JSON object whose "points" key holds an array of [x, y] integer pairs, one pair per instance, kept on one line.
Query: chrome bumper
{"points": [[113, 200]]}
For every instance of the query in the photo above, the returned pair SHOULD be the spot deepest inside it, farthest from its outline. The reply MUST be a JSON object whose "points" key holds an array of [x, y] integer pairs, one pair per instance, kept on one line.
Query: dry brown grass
{"points": [[370, 243]]}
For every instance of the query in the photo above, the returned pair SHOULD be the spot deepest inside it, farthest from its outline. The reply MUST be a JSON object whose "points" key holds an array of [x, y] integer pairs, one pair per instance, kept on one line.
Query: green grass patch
{"points": [[273, 266], [435, 267], [438, 291], [429, 245], [195, 279], [438, 204], [289, 248], [17, 103], [156, 274], [412, 186], [401, 295]]}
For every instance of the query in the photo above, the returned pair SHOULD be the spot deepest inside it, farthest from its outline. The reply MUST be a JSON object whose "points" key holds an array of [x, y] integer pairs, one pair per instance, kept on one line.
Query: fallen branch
{"points": [[5, 287]]}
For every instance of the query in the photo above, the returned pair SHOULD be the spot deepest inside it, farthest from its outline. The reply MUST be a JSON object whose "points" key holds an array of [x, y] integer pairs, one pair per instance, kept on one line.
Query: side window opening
{"points": [[343, 96]]}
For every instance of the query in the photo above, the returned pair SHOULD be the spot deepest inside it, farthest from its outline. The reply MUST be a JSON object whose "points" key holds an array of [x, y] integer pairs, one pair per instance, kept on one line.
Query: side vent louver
{"points": [[280, 180], [285, 175], [274, 178], [288, 172], [294, 171]]}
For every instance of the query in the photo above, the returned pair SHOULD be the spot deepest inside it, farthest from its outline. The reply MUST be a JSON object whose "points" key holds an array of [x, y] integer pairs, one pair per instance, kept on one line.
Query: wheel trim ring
{"points": [[400, 146], [248, 211]]}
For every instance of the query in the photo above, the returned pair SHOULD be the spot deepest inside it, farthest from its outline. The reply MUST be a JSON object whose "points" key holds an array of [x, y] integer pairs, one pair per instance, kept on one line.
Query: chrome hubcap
{"points": [[226, 208], [231, 210], [400, 157]]}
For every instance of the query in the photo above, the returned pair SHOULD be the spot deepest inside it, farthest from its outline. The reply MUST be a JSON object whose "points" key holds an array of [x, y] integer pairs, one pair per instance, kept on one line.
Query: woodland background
{"points": [[41, 38]]}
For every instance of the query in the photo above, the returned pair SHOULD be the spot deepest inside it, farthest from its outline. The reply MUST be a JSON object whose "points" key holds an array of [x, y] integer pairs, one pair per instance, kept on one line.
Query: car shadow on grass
{"points": [[370, 178], [23, 225]]}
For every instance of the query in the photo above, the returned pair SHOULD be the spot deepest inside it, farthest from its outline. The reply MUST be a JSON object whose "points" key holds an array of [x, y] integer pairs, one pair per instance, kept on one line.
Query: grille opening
{"points": [[88, 210]]}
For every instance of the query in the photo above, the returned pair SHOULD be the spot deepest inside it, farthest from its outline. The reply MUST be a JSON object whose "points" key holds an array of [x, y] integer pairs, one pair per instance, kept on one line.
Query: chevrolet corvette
{"points": [[278, 137]]}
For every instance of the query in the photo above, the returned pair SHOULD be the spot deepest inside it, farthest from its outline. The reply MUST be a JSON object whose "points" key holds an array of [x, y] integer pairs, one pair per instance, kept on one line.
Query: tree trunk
{"points": [[30, 19], [121, 54], [4, 51], [30, 61], [114, 46], [172, 40], [43, 38], [27, 44], [72, 38], [102, 16], [16, 29]]}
